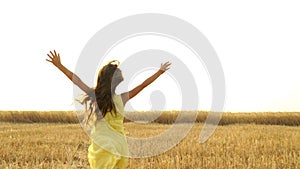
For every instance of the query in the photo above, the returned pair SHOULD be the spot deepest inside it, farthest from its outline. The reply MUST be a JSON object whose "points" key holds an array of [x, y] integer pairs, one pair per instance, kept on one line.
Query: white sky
{"points": [[257, 43]]}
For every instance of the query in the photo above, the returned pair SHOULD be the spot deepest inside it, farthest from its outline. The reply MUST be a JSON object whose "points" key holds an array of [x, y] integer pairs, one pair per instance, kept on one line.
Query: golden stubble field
{"points": [[63, 145]]}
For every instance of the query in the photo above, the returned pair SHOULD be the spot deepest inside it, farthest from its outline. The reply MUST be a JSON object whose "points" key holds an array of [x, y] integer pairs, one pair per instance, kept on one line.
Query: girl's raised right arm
{"points": [[55, 59], [128, 95]]}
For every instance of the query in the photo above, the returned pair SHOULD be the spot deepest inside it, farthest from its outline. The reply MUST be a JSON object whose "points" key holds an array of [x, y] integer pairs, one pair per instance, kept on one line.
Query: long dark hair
{"points": [[100, 100]]}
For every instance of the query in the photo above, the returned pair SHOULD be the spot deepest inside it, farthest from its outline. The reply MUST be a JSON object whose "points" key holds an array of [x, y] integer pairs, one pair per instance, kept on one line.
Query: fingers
{"points": [[50, 56], [167, 68], [53, 56], [167, 64], [52, 53]]}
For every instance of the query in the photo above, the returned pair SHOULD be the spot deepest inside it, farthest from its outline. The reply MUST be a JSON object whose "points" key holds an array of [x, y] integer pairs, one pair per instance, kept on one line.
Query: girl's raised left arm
{"points": [[55, 59]]}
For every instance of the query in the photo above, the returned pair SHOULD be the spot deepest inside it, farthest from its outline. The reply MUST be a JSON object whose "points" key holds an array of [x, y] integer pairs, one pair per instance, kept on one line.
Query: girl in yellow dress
{"points": [[108, 149]]}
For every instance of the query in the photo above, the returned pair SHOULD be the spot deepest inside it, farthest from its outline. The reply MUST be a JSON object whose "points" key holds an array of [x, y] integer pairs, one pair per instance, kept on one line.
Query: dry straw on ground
{"points": [[63, 145]]}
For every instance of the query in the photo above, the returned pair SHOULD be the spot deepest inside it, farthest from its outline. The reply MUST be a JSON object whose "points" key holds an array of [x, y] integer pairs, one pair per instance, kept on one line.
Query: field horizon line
{"points": [[57, 110]]}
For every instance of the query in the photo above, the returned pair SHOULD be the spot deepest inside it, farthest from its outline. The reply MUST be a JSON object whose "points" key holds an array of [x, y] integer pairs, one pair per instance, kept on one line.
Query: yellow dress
{"points": [[109, 148]]}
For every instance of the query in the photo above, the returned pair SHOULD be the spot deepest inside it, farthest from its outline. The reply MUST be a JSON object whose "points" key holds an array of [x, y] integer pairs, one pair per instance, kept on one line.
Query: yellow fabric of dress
{"points": [[109, 148]]}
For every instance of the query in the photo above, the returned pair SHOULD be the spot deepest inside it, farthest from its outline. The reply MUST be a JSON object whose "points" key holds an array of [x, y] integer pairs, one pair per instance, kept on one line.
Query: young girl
{"points": [[108, 149]]}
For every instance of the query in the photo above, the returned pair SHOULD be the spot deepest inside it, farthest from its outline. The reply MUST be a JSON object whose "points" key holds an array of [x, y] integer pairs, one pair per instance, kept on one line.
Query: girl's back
{"points": [[108, 142], [115, 120]]}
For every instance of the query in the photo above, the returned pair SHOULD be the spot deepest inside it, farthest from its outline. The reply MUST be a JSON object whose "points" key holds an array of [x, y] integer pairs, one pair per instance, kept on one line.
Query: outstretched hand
{"points": [[164, 67], [54, 58]]}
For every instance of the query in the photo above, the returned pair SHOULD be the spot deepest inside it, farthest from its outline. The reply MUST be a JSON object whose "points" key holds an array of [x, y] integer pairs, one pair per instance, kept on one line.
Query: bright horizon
{"points": [[257, 44]]}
